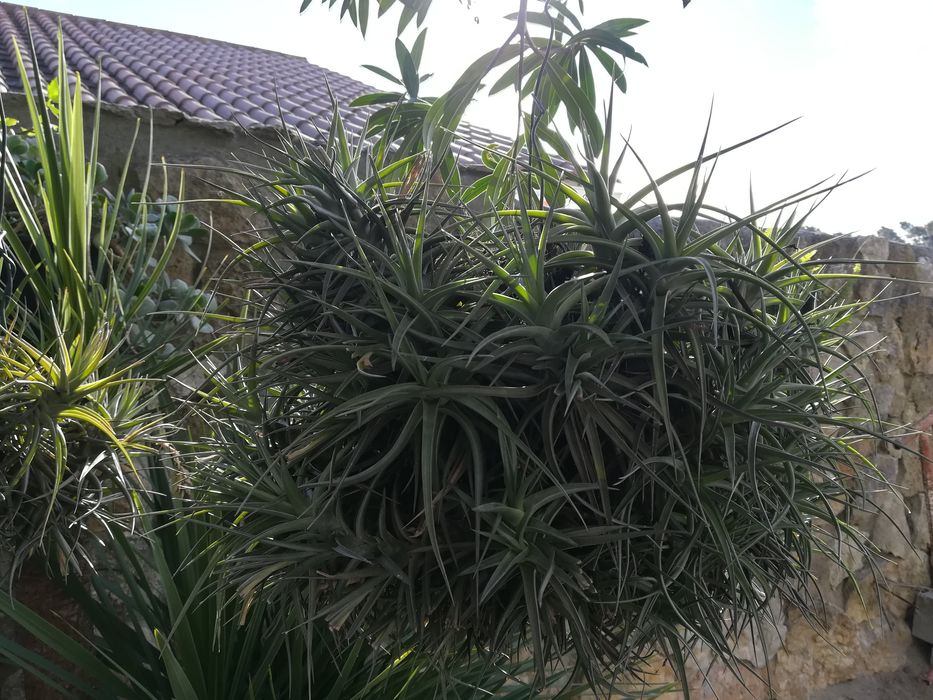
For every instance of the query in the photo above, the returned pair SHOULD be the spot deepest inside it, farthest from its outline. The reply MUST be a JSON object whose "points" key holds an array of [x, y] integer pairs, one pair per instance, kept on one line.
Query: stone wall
{"points": [[860, 639], [874, 637]]}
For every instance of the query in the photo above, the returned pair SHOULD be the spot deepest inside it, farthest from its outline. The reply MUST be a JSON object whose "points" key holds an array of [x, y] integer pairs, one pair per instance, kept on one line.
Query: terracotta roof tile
{"points": [[200, 78]]}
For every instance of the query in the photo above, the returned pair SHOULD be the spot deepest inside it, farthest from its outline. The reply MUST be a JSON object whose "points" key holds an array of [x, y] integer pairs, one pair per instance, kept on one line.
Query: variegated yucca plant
{"points": [[77, 405]]}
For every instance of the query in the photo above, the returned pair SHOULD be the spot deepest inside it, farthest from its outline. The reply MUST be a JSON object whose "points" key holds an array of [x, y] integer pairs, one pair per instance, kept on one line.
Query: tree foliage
{"points": [[360, 12], [918, 235], [549, 55]]}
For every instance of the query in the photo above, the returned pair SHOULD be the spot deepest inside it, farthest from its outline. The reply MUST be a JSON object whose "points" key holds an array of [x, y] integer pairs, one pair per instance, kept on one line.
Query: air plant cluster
{"points": [[533, 416]]}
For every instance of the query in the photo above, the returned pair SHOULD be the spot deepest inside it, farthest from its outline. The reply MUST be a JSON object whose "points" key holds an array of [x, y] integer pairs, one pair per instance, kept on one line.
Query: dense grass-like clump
{"points": [[591, 429]]}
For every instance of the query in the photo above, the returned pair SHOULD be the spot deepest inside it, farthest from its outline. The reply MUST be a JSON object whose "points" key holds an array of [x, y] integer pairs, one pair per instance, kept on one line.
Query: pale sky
{"points": [[854, 70]]}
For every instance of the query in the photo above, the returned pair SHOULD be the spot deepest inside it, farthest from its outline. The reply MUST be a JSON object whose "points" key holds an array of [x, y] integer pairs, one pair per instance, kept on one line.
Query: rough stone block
{"points": [[891, 531], [923, 616]]}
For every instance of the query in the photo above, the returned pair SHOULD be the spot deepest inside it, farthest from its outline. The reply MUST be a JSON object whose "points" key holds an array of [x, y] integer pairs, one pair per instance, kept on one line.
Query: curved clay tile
{"points": [[202, 78]]}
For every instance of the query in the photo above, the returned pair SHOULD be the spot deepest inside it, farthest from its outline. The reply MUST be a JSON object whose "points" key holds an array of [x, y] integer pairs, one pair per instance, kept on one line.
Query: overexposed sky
{"points": [[856, 71]]}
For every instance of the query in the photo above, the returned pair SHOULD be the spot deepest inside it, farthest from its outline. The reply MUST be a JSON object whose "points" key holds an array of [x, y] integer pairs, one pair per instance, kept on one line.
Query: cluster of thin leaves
{"points": [[564, 422], [76, 406]]}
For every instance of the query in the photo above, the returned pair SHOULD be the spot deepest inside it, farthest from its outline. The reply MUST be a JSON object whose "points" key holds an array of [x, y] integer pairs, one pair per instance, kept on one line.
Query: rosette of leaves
{"points": [[68, 439]]}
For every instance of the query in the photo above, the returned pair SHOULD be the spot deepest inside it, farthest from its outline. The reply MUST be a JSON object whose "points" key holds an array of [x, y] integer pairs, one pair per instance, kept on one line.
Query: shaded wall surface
{"points": [[800, 662]]}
